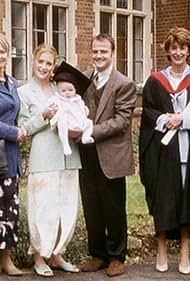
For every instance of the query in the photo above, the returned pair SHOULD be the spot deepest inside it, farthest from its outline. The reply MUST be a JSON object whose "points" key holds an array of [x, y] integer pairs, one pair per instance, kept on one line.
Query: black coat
{"points": [[160, 168]]}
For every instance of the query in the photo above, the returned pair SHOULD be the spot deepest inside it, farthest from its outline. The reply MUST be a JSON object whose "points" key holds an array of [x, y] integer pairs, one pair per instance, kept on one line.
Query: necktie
{"points": [[95, 79]]}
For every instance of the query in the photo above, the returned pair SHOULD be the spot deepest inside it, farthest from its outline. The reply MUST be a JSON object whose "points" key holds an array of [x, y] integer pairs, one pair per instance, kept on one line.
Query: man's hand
{"points": [[75, 133]]}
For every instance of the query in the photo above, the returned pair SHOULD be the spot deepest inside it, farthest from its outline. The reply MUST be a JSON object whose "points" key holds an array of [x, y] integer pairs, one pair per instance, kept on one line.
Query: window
{"points": [[105, 2], [122, 4], [106, 23], [122, 43], [59, 30], [138, 49], [32, 24], [39, 24], [129, 22], [137, 5], [19, 41]]}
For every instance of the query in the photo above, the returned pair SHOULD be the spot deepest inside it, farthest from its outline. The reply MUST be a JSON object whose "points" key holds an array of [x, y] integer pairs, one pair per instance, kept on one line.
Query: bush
{"points": [[25, 151], [135, 140], [22, 259], [78, 247]]}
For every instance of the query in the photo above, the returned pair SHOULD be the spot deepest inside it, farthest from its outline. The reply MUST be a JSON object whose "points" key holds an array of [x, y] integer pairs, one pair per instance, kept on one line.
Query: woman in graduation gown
{"points": [[165, 168]]}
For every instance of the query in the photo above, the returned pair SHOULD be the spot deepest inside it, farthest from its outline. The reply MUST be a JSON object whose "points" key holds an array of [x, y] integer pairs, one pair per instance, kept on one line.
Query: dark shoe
{"points": [[115, 268], [93, 265]]}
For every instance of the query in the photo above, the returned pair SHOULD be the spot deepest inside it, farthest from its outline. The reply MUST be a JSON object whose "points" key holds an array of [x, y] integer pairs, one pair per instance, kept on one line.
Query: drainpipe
{"points": [[154, 38]]}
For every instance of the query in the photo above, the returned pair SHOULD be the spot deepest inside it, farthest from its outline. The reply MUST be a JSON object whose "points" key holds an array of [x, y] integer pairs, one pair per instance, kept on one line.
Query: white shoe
{"points": [[185, 269], [161, 267]]}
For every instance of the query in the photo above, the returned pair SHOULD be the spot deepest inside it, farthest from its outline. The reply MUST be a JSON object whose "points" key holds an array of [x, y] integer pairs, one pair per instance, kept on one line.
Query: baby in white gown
{"points": [[72, 112]]}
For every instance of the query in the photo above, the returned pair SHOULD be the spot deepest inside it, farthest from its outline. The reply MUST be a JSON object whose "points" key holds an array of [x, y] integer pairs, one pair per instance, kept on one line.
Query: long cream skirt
{"points": [[53, 200]]}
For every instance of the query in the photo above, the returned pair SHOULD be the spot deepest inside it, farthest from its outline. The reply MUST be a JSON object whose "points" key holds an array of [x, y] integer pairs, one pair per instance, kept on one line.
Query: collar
{"points": [[103, 76], [8, 79], [167, 72], [164, 76]]}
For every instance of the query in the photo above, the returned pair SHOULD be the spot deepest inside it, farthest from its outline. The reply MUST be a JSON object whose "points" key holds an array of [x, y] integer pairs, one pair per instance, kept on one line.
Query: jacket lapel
{"points": [[37, 91], [188, 95], [34, 86], [10, 91], [3, 88]]}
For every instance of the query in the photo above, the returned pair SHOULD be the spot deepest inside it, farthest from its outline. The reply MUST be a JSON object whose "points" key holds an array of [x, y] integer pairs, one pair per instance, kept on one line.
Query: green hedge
{"points": [[20, 255]]}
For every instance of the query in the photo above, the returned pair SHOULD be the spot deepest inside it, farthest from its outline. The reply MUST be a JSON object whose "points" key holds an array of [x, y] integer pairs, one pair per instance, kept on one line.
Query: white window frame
{"points": [[71, 29], [146, 13]]}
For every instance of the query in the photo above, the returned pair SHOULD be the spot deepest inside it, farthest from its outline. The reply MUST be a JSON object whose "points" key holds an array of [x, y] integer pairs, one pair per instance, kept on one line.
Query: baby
{"points": [[72, 112]]}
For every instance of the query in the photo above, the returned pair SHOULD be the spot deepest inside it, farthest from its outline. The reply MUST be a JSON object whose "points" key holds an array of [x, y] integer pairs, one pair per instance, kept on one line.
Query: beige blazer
{"points": [[46, 150], [112, 125]]}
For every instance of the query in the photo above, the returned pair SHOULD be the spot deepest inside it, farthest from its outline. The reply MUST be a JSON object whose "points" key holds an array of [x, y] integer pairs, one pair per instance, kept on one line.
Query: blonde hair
{"points": [[46, 48], [177, 35], [4, 43]]}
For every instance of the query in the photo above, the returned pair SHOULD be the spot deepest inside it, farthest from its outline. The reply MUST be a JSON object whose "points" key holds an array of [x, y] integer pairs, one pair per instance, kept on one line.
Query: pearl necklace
{"points": [[176, 74]]}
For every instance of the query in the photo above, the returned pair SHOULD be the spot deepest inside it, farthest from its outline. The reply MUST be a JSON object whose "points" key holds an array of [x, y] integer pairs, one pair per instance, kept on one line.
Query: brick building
{"points": [[69, 25], [167, 14], [138, 26]]}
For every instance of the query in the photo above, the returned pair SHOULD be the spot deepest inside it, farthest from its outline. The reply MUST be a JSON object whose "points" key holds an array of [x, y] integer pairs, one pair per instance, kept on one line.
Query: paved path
{"points": [[134, 272]]}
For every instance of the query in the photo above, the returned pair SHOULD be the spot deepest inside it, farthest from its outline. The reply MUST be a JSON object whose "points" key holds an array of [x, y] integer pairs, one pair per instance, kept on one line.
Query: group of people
{"points": [[49, 109], [87, 142]]}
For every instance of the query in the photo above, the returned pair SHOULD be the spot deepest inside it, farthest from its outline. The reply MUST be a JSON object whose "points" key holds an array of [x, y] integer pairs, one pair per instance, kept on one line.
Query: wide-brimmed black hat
{"points": [[68, 73]]}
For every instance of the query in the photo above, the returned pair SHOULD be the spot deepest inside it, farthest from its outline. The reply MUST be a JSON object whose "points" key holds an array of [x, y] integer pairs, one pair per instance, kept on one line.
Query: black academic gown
{"points": [[160, 170]]}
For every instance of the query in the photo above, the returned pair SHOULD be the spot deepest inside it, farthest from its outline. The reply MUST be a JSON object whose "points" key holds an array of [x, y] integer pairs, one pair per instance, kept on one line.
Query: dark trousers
{"points": [[104, 208], [9, 210]]}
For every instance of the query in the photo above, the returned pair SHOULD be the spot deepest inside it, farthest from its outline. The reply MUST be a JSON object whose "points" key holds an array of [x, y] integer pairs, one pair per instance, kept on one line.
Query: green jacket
{"points": [[46, 150]]}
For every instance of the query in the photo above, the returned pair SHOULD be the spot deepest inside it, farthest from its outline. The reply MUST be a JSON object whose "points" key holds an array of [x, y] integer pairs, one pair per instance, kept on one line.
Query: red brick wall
{"points": [[2, 14], [169, 13], [85, 21]]}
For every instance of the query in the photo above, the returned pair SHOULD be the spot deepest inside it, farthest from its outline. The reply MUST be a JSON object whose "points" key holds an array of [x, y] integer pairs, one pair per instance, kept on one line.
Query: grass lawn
{"points": [[136, 203], [140, 223], [137, 211]]}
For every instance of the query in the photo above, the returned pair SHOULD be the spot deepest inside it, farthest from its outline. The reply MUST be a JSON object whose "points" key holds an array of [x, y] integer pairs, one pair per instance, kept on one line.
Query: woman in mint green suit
{"points": [[53, 190]]}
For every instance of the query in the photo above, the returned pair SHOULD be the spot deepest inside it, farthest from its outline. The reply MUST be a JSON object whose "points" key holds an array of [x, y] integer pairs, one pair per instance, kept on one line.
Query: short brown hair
{"points": [[177, 35], [104, 36], [4, 43]]}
